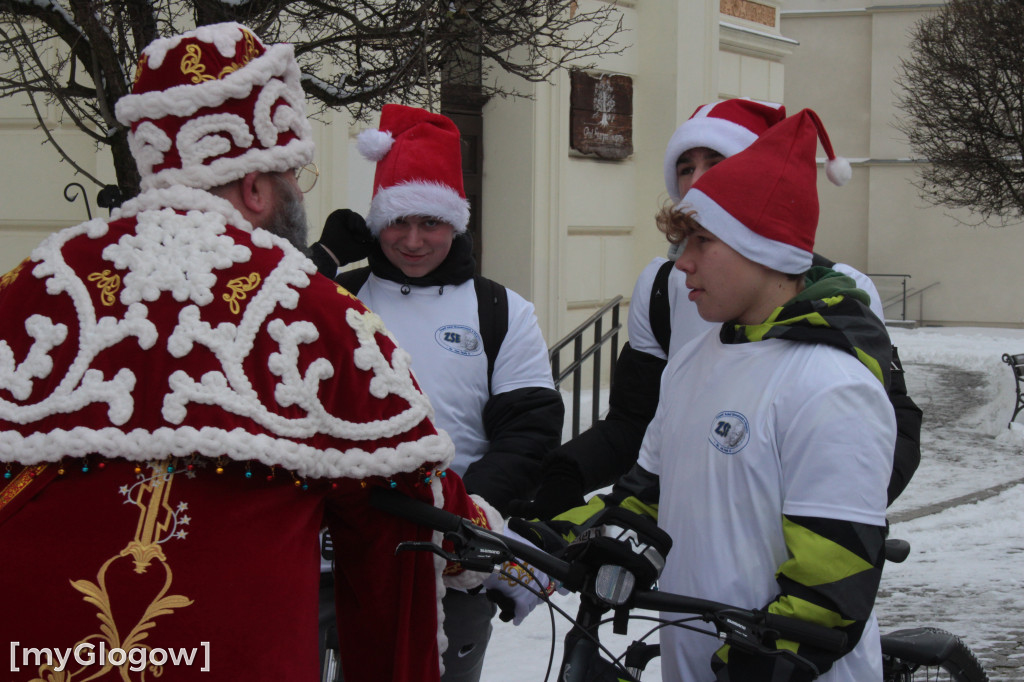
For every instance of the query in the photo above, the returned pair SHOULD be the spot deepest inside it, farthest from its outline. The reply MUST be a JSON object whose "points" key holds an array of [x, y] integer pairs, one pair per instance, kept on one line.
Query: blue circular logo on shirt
{"points": [[730, 432], [459, 339]]}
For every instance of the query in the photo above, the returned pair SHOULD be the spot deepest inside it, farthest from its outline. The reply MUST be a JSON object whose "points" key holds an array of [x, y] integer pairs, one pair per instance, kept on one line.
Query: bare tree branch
{"points": [[963, 104], [356, 55], [42, 122]]}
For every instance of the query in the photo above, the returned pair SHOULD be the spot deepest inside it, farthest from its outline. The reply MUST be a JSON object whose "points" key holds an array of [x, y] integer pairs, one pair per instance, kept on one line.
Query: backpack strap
{"points": [[353, 280], [660, 312], [492, 309]]}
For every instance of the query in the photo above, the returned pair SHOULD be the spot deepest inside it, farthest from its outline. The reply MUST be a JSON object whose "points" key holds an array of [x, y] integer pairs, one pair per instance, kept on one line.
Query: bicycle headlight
{"points": [[614, 584]]}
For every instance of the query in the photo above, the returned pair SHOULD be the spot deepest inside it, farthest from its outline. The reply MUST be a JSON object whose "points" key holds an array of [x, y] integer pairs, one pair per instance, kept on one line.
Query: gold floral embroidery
{"points": [[190, 64], [108, 285], [19, 484], [250, 54], [140, 68], [479, 517], [345, 292], [159, 522], [8, 279], [240, 288]]}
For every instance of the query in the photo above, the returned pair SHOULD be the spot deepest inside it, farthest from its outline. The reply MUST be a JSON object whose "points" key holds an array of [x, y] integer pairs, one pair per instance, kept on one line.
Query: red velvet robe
{"points": [[183, 404]]}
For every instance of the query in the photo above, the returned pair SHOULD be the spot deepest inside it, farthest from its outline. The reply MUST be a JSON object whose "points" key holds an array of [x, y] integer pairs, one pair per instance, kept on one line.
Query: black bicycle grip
{"points": [[820, 636], [414, 510], [426, 514]]}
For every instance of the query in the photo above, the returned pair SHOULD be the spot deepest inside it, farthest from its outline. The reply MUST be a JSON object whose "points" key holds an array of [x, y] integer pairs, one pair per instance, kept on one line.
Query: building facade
{"points": [[845, 68], [569, 227]]}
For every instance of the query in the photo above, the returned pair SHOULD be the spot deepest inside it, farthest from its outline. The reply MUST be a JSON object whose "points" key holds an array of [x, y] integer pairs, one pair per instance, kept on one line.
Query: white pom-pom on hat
{"points": [[838, 171], [374, 144], [419, 168]]}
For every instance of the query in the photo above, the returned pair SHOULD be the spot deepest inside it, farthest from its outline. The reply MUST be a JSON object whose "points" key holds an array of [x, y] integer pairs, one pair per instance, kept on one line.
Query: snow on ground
{"points": [[963, 514]]}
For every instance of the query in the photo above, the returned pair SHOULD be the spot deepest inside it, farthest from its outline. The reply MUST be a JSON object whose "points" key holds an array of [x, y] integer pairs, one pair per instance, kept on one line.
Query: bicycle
{"points": [[925, 653], [908, 655]]}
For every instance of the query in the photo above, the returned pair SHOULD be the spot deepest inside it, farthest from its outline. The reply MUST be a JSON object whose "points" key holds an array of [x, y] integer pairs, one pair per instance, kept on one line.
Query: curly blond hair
{"points": [[677, 224]]}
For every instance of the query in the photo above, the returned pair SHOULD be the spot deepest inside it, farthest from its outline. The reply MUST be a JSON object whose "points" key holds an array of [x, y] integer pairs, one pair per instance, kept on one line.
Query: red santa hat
{"points": [[419, 168], [211, 105], [727, 127], [763, 202]]}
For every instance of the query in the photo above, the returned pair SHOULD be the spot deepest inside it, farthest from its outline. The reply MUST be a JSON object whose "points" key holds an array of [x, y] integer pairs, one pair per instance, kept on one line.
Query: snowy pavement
{"points": [[963, 514]]}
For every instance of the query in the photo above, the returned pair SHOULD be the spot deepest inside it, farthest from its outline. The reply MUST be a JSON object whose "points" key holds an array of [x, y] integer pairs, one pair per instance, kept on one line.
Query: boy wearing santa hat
{"points": [[500, 408], [661, 321], [772, 444]]}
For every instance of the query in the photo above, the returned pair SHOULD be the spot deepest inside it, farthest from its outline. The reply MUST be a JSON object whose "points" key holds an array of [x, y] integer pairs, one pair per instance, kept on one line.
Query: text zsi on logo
{"points": [[459, 339], [730, 432]]}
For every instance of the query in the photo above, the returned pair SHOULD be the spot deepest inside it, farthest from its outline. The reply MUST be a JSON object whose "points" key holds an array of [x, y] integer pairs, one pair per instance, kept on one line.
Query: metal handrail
{"points": [[902, 297], [581, 355]]}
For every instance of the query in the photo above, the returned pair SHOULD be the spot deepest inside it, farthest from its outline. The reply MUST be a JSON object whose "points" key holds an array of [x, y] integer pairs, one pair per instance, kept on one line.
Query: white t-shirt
{"points": [[442, 334], [743, 434]]}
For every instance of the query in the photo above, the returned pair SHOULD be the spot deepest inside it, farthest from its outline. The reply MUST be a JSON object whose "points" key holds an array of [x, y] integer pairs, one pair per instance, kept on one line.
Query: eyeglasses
{"points": [[307, 177]]}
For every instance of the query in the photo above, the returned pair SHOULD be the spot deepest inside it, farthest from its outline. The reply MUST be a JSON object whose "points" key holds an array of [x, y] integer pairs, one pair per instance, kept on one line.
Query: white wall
{"points": [[845, 69]]}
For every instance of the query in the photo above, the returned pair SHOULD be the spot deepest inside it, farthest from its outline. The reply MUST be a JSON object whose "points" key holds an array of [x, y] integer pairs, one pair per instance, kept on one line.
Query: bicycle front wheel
{"points": [[929, 655]]}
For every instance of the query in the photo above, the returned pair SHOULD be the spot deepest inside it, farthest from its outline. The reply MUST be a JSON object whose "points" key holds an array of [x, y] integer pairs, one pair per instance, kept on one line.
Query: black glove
{"points": [[618, 536], [345, 238], [548, 535], [596, 535], [561, 488]]}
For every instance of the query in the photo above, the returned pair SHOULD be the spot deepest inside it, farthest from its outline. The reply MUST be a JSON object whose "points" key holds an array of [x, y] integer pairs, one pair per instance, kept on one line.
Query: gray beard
{"points": [[289, 218]]}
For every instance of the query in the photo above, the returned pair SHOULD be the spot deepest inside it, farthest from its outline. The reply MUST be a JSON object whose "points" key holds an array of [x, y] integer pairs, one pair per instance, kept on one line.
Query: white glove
{"points": [[520, 583]]}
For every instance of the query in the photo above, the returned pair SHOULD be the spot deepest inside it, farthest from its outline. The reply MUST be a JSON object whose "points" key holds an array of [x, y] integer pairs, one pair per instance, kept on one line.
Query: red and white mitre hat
{"points": [[727, 127], [211, 105], [419, 168], [763, 202]]}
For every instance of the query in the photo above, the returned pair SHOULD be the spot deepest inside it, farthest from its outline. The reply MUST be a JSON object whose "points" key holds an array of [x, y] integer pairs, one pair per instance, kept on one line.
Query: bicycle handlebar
{"points": [[446, 522], [501, 549]]}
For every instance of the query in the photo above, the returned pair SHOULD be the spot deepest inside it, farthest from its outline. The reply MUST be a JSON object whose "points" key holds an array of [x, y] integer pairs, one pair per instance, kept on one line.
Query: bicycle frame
{"points": [[481, 549]]}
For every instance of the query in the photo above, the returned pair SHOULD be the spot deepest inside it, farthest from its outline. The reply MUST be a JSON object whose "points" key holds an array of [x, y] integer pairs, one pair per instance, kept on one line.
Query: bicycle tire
{"points": [[929, 655]]}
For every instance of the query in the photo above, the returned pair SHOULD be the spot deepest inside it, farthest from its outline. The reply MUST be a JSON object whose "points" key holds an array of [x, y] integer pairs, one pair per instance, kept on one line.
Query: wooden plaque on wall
{"points": [[601, 115]]}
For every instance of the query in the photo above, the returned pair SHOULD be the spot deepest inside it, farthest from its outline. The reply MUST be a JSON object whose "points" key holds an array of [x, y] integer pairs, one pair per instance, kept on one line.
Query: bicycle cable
{"points": [[552, 608]]}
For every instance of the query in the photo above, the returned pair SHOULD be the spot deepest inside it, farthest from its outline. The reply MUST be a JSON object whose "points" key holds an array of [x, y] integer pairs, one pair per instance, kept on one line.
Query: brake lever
{"points": [[738, 631], [751, 638], [475, 548]]}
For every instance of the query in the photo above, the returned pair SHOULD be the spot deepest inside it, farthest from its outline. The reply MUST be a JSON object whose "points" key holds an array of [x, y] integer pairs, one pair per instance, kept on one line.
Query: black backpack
{"points": [[492, 308], [660, 312]]}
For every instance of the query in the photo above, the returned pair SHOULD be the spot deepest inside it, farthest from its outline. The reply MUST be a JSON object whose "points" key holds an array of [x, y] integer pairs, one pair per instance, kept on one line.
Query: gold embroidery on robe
{"points": [[240, 288], [19, 483], [108, 285], [140, 67], [250, 54], [8, 279], [159, 521], [345, 292]]}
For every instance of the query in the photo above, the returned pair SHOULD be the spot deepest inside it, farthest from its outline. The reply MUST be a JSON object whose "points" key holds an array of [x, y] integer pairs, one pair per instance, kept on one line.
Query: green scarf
{"points": [[830, 310]]}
